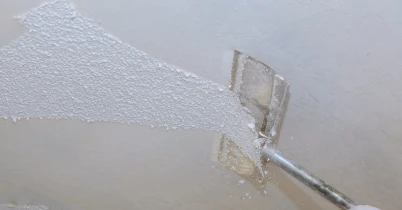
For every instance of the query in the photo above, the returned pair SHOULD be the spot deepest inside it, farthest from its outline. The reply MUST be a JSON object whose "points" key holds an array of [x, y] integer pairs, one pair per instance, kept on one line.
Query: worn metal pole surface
{"points": [[339, 199]]}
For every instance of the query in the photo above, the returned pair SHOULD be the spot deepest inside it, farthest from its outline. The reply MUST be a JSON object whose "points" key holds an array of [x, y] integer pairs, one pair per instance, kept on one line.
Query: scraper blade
{"points": [[263, 93]]}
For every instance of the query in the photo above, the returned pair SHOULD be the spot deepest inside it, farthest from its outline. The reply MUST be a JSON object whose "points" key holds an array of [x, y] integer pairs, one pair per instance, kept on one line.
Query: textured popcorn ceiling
{"points": [[68, 67], [22, 207], [341, 57]]}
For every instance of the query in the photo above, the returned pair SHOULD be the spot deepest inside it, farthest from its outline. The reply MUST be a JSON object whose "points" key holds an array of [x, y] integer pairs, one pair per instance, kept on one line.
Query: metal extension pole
{"points": [[273, 155]]}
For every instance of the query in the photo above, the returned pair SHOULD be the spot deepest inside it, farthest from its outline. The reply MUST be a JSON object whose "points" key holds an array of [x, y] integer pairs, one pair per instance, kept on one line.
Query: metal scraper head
{"points": [[263, 93]]}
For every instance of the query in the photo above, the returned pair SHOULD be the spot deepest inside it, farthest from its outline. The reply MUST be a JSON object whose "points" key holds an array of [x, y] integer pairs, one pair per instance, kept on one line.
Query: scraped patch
{"points": [[68, 67]]}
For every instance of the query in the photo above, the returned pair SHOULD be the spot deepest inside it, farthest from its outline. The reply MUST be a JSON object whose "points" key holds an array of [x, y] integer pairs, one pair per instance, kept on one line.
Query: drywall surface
{"points": [[341, 57], [68, 67]]}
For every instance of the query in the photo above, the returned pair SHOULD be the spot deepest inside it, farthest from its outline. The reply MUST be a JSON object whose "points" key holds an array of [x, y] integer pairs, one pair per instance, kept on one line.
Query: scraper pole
{"points": [[273, 155]]}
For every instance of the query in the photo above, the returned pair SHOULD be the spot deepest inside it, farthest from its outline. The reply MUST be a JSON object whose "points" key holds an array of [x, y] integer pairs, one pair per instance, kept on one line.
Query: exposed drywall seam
{"points": [[68, 67]]}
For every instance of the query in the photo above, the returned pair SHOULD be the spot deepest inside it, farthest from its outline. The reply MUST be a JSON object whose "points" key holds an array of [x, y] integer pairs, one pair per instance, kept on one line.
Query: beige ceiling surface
{"points": [[343, 121]]}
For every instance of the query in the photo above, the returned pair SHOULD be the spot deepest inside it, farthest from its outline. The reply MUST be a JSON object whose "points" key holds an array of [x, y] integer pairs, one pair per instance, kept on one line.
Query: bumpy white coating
{"points": [[68, 67], [23, 207]]}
